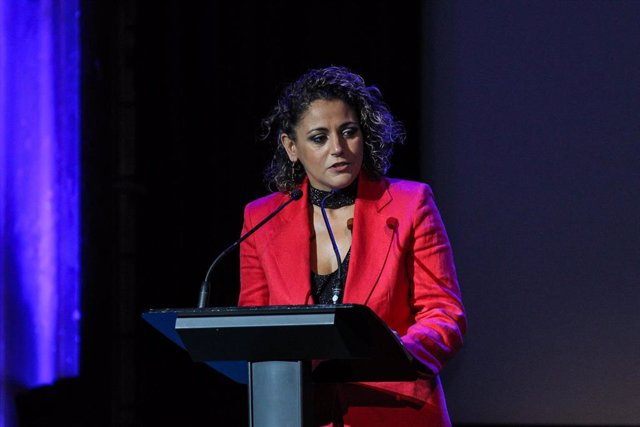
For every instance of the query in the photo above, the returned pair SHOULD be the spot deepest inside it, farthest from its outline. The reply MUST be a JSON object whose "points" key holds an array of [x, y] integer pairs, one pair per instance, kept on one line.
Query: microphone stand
{"points": [[336, 292], [203, 297]]}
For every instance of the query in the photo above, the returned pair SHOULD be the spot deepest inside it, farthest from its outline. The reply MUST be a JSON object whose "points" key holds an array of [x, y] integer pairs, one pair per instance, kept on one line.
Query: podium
{"points": [[272, 350]]}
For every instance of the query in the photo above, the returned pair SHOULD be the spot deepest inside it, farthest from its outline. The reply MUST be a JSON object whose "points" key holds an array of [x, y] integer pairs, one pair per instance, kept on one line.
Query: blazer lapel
{"points": [[290, 241], [372, 238]]}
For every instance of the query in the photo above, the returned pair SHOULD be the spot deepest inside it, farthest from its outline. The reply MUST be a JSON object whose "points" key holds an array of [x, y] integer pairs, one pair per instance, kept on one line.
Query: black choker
{"points": [[341, 198]]}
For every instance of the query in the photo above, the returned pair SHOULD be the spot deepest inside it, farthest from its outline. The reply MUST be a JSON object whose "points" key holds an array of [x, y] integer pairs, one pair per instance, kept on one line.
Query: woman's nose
{"points": [[337, 145]]}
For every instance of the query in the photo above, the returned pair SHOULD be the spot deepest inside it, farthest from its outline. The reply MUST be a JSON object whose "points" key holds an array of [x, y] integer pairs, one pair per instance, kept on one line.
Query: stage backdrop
{"points": [[532, 130], [39, 196]]}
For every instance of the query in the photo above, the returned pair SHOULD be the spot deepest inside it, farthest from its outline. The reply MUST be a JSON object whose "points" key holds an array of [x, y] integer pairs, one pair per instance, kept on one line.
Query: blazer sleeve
{"points": [[254, 290], [435, 298]]}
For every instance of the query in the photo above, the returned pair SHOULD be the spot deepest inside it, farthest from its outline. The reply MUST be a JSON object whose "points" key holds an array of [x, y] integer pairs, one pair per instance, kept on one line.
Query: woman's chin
{"points": [[335, 182], [343, 182]]}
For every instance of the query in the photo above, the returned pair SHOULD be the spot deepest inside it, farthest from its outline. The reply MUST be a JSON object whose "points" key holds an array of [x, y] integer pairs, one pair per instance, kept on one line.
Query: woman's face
{"points": [[328, 142]]}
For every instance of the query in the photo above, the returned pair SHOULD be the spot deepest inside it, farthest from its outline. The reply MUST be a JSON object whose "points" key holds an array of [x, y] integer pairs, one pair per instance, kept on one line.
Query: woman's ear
{"points": [[289, 146]]}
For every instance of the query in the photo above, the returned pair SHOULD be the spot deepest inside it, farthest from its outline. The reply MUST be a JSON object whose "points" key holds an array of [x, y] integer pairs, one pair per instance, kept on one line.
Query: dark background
{"points": [[522, 115], [536, 152]]}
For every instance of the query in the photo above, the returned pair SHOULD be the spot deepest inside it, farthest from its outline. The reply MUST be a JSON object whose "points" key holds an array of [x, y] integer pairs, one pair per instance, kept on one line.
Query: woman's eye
{"points": [[319, 139], [349, 132]]}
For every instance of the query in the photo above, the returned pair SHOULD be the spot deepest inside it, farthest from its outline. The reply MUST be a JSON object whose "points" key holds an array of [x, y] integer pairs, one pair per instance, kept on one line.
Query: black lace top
{"points": [[322, 284]]}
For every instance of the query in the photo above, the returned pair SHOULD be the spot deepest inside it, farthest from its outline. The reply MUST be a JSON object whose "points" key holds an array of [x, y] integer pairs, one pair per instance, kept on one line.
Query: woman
{"points": [[332, 132]]}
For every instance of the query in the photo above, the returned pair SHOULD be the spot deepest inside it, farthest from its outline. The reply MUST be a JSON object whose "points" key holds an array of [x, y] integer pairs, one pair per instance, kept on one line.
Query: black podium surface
{"points": [[275, 346]]}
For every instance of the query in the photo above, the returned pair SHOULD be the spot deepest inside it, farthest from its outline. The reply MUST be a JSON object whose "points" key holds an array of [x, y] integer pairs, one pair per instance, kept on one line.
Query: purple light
{"points": [[39, 195]]}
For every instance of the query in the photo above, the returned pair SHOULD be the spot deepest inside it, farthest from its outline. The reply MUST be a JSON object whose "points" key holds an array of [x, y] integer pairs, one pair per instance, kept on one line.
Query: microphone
{"points": [[203, 298], [336, 291]]}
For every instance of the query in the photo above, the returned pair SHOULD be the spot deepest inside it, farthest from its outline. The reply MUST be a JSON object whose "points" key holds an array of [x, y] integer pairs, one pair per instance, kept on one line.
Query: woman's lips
{"points": [[340, 166]]}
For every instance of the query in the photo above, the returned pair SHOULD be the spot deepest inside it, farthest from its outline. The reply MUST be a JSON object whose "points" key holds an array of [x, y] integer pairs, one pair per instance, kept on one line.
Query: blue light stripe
{"points": [[39, 195]]}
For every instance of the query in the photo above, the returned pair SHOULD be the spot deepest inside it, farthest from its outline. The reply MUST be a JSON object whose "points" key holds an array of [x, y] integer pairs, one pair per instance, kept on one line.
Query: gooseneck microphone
{"points": [[336, 291], [203, 298]]}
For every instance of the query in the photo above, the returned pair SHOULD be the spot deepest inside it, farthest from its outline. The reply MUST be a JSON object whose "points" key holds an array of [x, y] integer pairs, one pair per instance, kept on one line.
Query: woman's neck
{"points": [[340, 198]]}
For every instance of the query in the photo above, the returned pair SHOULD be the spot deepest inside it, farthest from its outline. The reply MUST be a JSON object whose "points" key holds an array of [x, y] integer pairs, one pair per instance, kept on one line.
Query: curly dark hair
{"points": [[381, 131]]}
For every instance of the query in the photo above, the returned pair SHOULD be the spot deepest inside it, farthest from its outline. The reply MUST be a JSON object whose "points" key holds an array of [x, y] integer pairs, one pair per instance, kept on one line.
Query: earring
{"points": [[293, 171]]}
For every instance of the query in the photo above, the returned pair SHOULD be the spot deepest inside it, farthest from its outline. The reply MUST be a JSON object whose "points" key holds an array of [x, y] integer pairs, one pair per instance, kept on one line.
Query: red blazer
{"points": [[401, 266]]}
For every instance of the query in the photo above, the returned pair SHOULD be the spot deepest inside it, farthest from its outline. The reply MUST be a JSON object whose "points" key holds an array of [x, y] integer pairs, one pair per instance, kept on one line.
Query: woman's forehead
{"points": [[322, 110]]}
